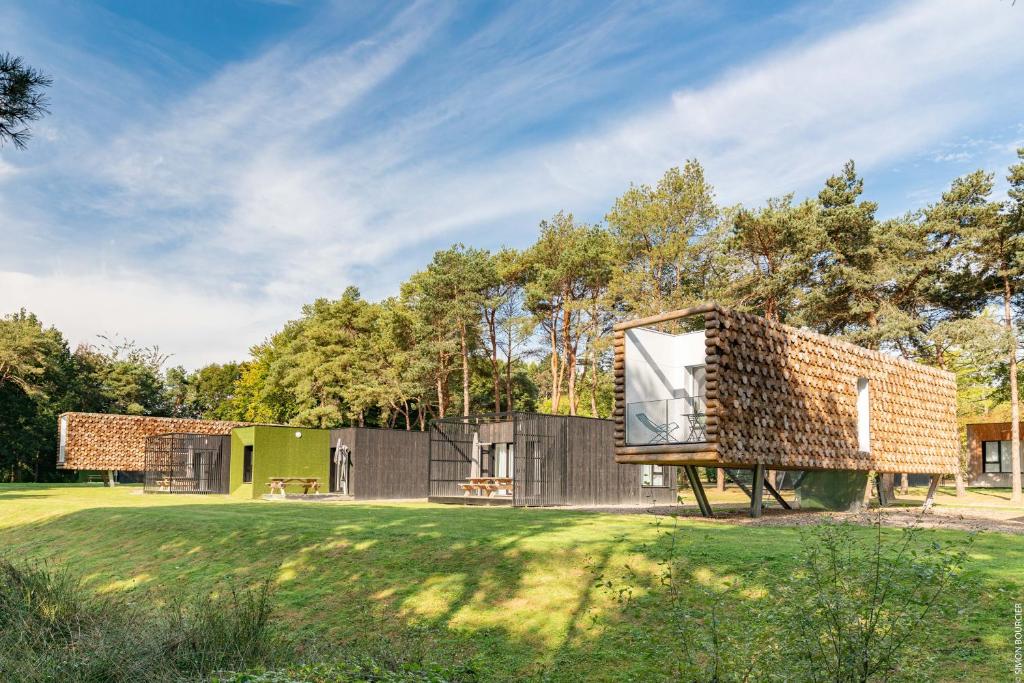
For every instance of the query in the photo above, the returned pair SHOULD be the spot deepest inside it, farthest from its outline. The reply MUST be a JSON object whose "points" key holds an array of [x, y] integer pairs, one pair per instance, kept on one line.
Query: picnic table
{"points": [[487, 485], [277, 484]]}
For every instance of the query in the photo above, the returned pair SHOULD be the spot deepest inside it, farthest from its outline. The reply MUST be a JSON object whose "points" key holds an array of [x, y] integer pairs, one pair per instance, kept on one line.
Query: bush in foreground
{"points": [[856, 609], [52, 628]]}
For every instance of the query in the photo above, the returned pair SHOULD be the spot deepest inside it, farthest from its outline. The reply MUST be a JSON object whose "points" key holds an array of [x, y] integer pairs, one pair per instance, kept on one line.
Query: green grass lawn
{"points": [[511, 590]]}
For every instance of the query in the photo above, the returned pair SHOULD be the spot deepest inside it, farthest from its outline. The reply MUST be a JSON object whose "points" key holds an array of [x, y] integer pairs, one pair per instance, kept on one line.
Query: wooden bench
{"points": [[485, 485], [277, 484]]}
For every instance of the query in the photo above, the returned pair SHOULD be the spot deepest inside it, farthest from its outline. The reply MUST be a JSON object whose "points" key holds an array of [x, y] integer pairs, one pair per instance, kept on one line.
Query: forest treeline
{"points": [[481, 331]]}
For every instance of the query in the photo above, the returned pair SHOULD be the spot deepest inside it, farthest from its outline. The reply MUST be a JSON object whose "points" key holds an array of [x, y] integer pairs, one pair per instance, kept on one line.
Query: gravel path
{"points": [[1004, 520]]}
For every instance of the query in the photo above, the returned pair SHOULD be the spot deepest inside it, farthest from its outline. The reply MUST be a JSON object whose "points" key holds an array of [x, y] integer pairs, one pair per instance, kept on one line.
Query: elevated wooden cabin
{"points": [[739, 391]]}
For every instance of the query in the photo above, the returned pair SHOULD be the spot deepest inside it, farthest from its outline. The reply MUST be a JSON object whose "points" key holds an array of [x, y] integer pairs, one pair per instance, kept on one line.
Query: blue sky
{"points": [[210, 166]]}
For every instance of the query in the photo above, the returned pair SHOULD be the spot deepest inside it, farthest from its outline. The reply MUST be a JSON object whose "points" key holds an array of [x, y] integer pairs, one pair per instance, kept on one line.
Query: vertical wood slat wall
{"points": [[559, 460], [594, 476], [187, 463], [787, 398], [386, 463]]}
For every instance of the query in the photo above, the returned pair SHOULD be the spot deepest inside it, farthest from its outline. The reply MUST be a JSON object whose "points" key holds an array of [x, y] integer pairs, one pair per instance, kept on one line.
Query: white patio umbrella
{"points": [[474, 465], [341, 460]]}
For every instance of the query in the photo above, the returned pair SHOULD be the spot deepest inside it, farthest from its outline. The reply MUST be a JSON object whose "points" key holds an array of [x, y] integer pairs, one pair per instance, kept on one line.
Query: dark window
{"points": [[247, 465], [996, 457]]}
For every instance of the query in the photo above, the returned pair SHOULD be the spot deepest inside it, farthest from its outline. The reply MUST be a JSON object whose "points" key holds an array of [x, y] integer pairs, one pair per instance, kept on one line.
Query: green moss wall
{"points": [[240, 438], [277, 452]]}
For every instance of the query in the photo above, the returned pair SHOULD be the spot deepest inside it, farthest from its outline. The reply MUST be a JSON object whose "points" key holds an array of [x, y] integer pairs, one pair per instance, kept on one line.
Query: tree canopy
{"points": [[481, 331]]}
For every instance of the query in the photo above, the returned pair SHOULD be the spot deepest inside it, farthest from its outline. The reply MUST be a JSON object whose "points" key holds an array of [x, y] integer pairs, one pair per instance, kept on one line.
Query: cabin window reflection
{"points": [[652, 475]]}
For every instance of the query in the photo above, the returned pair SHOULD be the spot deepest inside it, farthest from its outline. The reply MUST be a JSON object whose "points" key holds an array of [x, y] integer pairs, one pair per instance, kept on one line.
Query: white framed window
{"points": [[652, 475], [863, 415]]}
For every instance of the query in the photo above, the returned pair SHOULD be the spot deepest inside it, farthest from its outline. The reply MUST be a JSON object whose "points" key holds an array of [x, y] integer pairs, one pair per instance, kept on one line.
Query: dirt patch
{"points": [[1004, 520]]}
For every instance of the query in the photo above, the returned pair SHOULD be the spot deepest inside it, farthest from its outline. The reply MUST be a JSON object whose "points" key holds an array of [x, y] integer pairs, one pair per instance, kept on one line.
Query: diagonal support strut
{"points": [[698, 491], [776, 495]]}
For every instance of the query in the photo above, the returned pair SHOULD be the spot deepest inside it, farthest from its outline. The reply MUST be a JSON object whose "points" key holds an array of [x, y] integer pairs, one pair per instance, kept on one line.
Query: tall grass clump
{"points": [[52, 628], [223, 631]]}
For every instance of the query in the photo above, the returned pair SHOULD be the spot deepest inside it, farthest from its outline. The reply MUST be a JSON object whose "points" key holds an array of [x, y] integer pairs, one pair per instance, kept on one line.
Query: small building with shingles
{"points": [[101, 441]]}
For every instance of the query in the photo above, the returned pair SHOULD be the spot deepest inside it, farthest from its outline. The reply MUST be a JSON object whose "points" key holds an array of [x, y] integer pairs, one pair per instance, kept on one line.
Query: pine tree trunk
{"points": [[573, 399], [442, 393], [1015, 494], [719, 479], [508, 382], [593, 383], [889, 486], [904, 484], [110, 478], [569, 361], [495, 370], [556, 371], [464, 348]]}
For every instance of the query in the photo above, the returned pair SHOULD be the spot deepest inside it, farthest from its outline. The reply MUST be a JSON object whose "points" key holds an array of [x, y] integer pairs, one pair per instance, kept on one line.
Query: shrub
{"points": [[859, 609], [856, 610]]}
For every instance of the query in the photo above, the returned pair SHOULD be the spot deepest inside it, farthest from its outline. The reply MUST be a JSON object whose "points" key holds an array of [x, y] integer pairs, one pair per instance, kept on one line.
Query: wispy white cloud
{"points": [[283, 177], [194, 325]]}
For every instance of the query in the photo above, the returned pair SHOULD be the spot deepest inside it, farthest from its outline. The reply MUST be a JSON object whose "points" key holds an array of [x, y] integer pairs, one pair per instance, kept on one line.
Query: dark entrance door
{"points": [[333, 481]]}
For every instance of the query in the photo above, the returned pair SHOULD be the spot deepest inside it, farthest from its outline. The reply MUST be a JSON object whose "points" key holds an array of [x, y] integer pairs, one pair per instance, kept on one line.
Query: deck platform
{"points": [[309, 497], [471, 500]]}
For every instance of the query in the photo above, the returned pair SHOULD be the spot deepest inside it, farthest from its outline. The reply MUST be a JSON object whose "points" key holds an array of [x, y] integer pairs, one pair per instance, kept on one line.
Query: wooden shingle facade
{"points": [[789, 398], [98, 441]]}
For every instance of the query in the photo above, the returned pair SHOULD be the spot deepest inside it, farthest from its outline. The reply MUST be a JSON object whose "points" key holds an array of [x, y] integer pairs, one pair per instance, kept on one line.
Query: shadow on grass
{"points": [[1001, 494], [509, 589]]}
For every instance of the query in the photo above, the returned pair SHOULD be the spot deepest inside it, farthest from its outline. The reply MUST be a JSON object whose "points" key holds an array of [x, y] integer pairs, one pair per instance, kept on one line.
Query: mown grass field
{"points": [[511, 591]]}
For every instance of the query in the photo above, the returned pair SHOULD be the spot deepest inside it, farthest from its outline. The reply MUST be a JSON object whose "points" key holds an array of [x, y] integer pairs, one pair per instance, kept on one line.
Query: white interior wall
{"points": [[656, 375], [656, 363], [690, 351], [650, 366]]}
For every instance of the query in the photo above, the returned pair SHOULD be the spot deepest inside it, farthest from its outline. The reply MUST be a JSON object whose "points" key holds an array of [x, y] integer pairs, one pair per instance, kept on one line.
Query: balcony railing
{"points": [[666, 421]]}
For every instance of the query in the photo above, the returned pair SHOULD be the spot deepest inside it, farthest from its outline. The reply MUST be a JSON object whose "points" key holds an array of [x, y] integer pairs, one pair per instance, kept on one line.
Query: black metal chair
{"points": [[698, 427]]}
